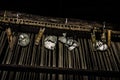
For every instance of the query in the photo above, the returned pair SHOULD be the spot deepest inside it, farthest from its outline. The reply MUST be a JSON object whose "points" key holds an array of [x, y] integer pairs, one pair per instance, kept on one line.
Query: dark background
{"points": [[98, 10]]}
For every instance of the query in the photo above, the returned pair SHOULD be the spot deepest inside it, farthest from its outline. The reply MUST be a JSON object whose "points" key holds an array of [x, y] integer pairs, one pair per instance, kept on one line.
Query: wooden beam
{"points": [[39, 36], [57, 70]]}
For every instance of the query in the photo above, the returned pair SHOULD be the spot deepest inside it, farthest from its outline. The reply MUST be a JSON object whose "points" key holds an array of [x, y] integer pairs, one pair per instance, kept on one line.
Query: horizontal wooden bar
{"points": [[16, 21], [58, 70]]}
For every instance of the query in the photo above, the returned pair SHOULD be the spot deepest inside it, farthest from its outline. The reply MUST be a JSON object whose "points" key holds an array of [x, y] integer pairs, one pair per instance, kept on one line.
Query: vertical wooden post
{"points": [[109, 37], [10, 37], [93, 38], [39, 36], [4, 14]]}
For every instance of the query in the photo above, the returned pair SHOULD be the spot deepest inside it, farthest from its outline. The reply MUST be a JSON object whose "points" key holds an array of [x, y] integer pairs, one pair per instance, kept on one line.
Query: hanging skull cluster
{"points": [[24, 39], [50, 42], [99, 45], [70, 43]]}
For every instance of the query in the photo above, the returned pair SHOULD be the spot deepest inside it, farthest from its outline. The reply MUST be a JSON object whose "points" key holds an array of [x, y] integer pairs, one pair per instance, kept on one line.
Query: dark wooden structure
{"points": [[38, 63]]}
